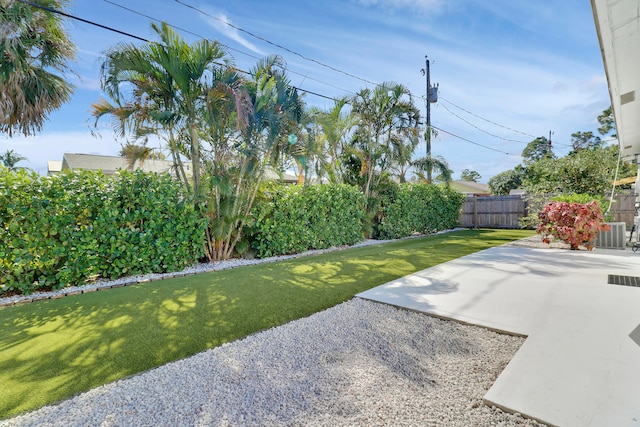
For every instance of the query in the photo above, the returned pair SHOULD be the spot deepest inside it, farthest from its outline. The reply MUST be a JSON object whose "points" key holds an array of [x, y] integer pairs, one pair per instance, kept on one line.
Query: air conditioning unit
{"points": [[616, 238]]}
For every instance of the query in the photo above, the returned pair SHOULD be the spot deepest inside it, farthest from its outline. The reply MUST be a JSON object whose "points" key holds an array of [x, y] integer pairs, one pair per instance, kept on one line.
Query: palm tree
{"points": [[10, 158], [167, 87], [259, 144], [334, 127], [386, 119], [430, 164], [135, 153], [35, 50]]}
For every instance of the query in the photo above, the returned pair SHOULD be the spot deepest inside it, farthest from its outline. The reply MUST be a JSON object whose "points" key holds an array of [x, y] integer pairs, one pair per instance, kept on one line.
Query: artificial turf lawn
{"points": [[54, 349]]}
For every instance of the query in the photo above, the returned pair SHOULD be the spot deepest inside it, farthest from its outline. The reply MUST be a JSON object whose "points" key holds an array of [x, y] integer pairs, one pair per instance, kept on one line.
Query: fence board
{"points": [[492, 212], [623, 209], [504, 211]]}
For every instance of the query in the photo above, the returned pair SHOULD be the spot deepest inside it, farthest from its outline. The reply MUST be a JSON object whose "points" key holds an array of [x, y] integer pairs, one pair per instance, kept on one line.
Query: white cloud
{"points": [[221, 23], [85, 82], [416, 5], [90, 53]]}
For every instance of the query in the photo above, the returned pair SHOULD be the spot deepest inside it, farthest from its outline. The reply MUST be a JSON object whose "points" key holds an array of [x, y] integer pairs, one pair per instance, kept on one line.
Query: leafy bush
{"points": [[420, 208], [292, 219], [573, 223], [537, 202], [77, 226], [502, 183], [582, 198]]}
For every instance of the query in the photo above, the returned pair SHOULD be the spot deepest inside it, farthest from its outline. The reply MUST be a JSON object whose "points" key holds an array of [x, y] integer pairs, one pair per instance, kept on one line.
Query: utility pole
{"points": [[427, 135], [432, 96]]}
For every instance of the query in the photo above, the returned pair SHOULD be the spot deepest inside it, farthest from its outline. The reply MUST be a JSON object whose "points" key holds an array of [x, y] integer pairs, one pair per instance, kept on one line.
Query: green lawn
{"points": [[51, 350]]}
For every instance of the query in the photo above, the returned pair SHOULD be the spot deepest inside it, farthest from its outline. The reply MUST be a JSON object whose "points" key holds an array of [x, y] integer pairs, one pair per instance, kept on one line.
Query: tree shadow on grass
{"points": [[54, 349]]}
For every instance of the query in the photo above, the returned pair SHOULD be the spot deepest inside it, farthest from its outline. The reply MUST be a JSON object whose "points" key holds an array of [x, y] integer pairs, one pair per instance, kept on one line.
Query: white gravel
{"points": [[360, 363]]}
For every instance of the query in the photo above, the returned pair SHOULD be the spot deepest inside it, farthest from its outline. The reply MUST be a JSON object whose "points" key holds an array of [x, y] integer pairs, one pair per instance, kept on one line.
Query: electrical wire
{"points": [[246, 72], [472, 142], [175, 27], [487, 120], [48, 9], [222, 44], [482, 130], [494, 123], [293, 52]]}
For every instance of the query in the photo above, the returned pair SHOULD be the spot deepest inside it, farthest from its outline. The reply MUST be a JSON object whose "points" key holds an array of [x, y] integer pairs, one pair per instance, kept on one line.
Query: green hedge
{"points": [[292, 219], [78, 226], [419, 208]]}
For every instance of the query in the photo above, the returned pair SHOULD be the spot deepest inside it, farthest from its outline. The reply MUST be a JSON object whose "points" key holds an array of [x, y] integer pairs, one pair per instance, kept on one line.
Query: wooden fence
{"points": [[504, 211], [493, 211], [623, 209]]}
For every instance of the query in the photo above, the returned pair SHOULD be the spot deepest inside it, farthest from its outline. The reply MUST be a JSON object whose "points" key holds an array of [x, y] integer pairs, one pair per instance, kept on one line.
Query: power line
{"points": [[471, 142], [48, 9], [276, 44], [492, 122], [176, 27], [487, 120], [227, 46], [482, 130]]}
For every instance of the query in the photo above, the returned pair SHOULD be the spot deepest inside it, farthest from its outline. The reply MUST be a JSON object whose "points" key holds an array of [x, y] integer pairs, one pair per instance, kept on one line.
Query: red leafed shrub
{"points": [[574, 223]]}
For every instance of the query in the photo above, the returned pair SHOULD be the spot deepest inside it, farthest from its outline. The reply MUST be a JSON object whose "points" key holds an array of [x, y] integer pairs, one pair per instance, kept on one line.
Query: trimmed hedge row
{"points": [[78, 226], [419, 208], [293, 219]]}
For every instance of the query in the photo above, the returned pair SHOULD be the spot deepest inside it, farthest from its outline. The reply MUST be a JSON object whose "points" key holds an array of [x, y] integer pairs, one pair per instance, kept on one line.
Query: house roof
{"points": [[110, 164], [285, 177], [54, 166], [470, 187], [618, 27]]}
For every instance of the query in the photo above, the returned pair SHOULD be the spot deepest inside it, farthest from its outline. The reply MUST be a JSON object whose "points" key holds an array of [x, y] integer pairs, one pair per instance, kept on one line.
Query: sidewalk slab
{"points": [[580, 365]]}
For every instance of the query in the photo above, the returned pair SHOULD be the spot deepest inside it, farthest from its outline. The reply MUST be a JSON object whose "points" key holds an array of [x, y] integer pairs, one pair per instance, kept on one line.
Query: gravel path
{"points": [[360, 363]]}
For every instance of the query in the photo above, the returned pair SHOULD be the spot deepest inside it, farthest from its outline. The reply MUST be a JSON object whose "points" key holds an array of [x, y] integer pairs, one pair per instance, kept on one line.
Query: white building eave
{"points": [[618, 27]]}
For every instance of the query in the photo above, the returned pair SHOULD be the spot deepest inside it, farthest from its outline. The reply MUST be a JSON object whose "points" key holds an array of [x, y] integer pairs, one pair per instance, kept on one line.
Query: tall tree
{"points": [[256, 147], [386, 117], [585, 172], [10, 159], [537, 149], [585, 140], [502, 183], [34, 49], [334, 127], [164, 85], [607, 123], [470, 175]]}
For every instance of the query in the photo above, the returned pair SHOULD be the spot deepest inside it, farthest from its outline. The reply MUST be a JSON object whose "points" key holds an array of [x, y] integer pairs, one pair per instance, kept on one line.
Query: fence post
{"points": [[475, 211]]}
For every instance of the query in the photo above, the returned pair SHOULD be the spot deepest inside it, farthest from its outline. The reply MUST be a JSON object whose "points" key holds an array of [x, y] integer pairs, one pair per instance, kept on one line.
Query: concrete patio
{"points": [[580, 365]]}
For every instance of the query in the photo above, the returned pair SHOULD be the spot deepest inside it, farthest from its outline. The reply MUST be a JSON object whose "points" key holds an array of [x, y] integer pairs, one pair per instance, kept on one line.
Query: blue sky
{"points": [[518, 69]]}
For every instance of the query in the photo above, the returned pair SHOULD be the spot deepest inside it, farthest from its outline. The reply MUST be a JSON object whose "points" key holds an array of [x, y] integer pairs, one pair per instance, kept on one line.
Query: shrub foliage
{"points": [[419, 208], [77, 226], [574, 223], [292, 219]]}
